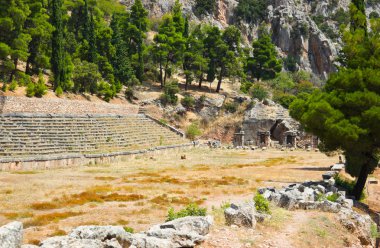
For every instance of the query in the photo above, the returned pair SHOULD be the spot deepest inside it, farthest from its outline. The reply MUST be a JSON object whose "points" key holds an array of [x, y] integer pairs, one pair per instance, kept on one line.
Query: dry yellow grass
{"points": [[145, 188]]}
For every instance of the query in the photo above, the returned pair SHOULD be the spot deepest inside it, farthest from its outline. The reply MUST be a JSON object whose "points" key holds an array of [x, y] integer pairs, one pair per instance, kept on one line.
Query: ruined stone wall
{"points": [[10, 104]]}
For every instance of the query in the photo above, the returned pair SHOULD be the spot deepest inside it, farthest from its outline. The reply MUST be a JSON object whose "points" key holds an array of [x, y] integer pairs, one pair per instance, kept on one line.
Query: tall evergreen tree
{"points": [[58, 60], [40, 30], [345, 115], [14, 39], [264, 63], [138, 26], [120, 62]]}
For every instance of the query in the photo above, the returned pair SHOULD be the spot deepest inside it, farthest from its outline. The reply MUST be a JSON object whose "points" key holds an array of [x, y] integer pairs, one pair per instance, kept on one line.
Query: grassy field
{"points": [[138, 191]]}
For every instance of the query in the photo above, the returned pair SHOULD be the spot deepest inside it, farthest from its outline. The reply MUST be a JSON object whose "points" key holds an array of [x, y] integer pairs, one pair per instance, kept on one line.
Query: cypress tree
{"points": [[58, 55]]}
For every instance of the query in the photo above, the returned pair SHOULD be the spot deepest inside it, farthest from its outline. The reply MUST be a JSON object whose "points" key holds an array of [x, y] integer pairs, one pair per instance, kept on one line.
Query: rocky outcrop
{"points": [[11, 235], [314, 196], [183, 232]]}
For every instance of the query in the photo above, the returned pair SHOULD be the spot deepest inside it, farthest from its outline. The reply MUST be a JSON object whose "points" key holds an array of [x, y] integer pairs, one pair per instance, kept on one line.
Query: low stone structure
{"points": [[184, 232], [269, 125]]}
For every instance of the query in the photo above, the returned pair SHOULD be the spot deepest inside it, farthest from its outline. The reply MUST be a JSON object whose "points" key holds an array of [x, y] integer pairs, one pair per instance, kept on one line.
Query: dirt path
{"points": [[228, 237], [283, 239]]}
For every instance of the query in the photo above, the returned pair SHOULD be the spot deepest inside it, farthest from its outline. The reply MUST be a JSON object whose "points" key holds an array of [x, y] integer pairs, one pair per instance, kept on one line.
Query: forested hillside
{"points": [[106, 47]]}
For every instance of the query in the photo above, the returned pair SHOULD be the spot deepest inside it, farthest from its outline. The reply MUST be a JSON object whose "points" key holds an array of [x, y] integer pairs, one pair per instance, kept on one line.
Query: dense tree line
{"points": [[98, 46]]}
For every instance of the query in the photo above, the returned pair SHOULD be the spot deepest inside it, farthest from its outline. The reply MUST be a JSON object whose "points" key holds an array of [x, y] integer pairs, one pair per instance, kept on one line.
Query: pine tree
{"points": [[345, 115], [14, 39], [264, 63], [58, 60], [40, 30]]}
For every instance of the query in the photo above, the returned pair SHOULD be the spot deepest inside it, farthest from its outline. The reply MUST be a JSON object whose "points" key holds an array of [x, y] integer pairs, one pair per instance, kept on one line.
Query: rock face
{"points": [[11, 235], [295, 32]]}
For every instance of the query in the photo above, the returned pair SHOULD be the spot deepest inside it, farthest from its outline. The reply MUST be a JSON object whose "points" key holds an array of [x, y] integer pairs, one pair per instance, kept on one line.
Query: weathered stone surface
{"points": [[337, 167], [70, 242], [11, 235], [29, 246], [328, 175], [103, 233], [183, 232], [242, 216]]}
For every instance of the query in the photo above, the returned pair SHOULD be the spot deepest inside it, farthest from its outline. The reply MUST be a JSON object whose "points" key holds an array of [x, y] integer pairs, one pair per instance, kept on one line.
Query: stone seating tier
{"points": [[23, 135]]}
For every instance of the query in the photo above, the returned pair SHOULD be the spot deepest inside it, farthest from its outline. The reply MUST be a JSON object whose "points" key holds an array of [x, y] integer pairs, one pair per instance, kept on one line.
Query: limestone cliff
{"points": [[303, 29]]}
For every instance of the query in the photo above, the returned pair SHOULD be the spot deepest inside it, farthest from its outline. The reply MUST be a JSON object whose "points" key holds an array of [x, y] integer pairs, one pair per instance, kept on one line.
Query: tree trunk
{"points": [[200, 82], [219, 84], [360, 183], [15, 62], [161, 76]]}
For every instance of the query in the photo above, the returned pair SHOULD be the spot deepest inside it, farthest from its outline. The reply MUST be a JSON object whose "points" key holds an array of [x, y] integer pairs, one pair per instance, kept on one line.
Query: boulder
{"points": [[242, 216], [103, 233], [70, 242], [183, 232], [141, 240], [11, 235], [328, 206], [337, 167]]}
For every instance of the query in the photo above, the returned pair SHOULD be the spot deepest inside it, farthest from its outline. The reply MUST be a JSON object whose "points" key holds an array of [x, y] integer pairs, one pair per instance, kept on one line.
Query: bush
{"points": [[231, 107], [129, 93], [13, 86], [169, 96], [284, 99], [251, 11], [4, 88], [30, 90], [40, 89], [106, 91], [193, 131], [58, 91], [188, 102], [259, 92], [190, 210], [245, 86], [262, 204], [129, 229], [333, 198]]}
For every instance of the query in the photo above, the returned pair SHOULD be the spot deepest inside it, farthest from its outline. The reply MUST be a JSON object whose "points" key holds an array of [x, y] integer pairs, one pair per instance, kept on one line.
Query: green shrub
{"points": [[30, 90], [170, 93], [191, 210], [129, 229], [4, 88], [13, 86], [225, 205], [188, 102], [374, 231], [262, 204], [251, 11], [333, 198], [106, 91], [40, 88], [231, 107], [245, 86], [58, 91], [193, 131], [129, 93], [321, 197], [284, 99], [163, 122], [259, 92]]}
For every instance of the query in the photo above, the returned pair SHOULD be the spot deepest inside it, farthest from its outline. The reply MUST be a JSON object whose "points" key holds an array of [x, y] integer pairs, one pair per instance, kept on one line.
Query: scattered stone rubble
{"points": [[312, 195], [184, 232]]}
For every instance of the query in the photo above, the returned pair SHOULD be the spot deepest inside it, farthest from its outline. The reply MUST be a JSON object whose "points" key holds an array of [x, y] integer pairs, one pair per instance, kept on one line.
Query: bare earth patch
{"points": [[138, 191]]}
